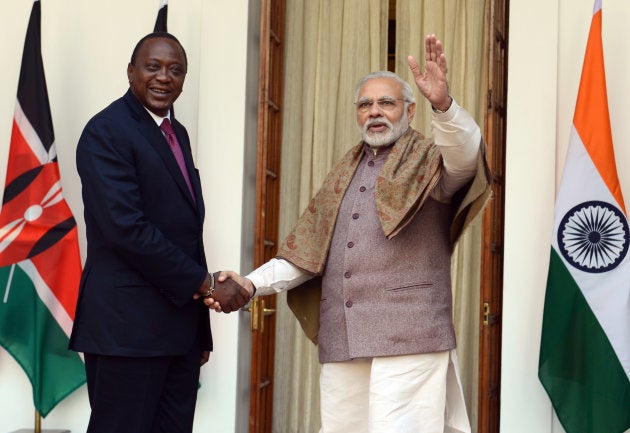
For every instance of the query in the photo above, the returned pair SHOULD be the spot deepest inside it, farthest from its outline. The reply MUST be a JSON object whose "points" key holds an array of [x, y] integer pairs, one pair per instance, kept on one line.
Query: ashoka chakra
{"points": [[593, 236]]}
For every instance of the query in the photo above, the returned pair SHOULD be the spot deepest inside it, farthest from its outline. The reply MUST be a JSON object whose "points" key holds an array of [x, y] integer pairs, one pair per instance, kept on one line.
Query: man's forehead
{"points": [[379, 87], [158, 45]]}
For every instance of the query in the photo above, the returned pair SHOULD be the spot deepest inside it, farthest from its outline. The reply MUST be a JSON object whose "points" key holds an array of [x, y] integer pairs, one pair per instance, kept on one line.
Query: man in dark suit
{"points": [[140, 320]]}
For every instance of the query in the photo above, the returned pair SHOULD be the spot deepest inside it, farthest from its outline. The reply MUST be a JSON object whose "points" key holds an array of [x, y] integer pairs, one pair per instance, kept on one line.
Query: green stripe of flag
{"points": [[578, 367], [34, 338]]}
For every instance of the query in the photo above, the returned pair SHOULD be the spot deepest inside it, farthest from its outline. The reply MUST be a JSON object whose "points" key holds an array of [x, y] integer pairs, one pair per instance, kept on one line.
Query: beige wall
{"points": [[547, 43], [86, 48]]}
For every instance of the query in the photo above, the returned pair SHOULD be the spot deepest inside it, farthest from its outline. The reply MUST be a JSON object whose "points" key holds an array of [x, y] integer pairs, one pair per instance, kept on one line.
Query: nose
{"points": [[162, 74], [375, 110]]}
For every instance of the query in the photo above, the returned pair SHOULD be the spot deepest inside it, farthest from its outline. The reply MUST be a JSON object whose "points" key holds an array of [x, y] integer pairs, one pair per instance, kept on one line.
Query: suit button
{"points": [[371, 163], [348, 304], [350, 244], [347, 274], [362, 189], [355, 216]]}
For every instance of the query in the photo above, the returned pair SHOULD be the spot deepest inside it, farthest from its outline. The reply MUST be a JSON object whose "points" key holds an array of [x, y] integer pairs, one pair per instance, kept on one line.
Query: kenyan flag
{"points": [[40, 266]]}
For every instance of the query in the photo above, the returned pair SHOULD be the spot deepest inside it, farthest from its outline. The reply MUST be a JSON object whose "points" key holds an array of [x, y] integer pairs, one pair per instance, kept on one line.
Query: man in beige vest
{"points": [[369, 260]]}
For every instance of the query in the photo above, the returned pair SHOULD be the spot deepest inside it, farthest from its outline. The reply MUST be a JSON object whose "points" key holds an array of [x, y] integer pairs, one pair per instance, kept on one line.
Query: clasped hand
{"points": [[233, 279], [228, 294]]}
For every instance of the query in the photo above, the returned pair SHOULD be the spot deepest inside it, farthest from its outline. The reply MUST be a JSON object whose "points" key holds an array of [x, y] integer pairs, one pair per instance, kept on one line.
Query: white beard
{"points": [[387, 137]]}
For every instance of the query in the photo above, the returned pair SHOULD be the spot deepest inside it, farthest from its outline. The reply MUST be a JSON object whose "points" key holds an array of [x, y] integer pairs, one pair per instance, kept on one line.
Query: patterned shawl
{"points": [[409, 174], [412, 169]]}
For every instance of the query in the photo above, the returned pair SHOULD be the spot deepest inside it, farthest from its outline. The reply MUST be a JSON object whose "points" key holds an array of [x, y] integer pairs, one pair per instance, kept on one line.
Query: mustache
{"points": [[371, 122]]}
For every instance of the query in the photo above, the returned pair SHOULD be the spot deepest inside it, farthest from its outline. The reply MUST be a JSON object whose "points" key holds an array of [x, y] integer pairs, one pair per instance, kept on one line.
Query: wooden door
{"points": [[493, 222], [267, 203]]}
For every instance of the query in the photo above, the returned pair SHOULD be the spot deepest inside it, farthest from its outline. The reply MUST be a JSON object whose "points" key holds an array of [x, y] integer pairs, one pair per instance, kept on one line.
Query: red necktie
{"points": [[171, 138]]}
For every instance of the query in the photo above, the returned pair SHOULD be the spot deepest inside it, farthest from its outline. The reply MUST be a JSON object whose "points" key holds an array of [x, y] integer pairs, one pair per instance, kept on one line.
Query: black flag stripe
{"points": [[32, 93], [20, 183], [52, 236], [160, 21]]}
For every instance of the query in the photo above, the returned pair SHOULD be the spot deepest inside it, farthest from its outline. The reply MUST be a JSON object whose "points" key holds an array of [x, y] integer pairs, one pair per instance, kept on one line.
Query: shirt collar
{"points": [[159, 119]]}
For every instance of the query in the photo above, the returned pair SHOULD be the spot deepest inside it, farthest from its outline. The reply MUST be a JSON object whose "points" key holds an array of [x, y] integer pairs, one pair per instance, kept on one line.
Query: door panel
{"points": [[493, 222], [262, 310]]}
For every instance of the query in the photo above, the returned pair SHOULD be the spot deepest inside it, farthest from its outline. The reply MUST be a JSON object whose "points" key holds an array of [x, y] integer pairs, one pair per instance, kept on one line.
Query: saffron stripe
{"points": [[591, 119]]}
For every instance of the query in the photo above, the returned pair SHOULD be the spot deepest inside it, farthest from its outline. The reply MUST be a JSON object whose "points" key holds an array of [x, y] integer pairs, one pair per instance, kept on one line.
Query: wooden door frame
{"points": [[268, 158], [491, 280]]}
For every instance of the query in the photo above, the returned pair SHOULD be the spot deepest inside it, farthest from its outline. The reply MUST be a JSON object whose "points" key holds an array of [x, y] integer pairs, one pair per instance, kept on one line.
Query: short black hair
{"points": [[156, 35]]}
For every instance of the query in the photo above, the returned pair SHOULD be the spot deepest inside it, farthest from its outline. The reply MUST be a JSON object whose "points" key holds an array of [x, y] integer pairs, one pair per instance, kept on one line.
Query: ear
{"points": [[411, 110], [129, 72]]}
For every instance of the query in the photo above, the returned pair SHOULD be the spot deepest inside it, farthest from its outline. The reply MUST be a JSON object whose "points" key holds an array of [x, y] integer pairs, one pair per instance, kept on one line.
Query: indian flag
{"points": [[585, 349], [40, 266]]}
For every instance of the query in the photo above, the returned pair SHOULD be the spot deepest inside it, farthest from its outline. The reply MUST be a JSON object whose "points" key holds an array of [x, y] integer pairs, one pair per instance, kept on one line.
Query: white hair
{"points": [[407, 92]]}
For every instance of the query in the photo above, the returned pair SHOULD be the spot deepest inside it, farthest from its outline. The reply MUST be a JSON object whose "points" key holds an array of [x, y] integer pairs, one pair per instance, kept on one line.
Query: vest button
{"points": [[350, 244], [362, 189], [371, 163], [355, 216], [348, 304], [347, 274]]}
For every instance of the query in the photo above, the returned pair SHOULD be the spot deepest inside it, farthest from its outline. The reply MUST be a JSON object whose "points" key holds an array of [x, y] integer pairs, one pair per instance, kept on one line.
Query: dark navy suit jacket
{"points": [[145, 255]]}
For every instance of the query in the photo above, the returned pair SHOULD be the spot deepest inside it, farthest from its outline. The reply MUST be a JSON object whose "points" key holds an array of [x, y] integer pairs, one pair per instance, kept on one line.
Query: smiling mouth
{"points": [[159, 91]]}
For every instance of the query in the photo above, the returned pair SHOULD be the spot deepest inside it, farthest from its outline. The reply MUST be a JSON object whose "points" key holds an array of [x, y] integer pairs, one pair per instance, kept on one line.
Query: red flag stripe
{"points": [[59, 267], [21, 154], [30, 215]]}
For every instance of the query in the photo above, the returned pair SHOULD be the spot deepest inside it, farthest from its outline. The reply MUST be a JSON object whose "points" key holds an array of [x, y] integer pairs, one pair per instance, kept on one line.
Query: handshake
{"points": [[225, 291]]}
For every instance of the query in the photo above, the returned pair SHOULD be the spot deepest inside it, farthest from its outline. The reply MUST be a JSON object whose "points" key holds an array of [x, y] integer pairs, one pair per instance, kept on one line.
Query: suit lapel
{"points": [[151, 132]]}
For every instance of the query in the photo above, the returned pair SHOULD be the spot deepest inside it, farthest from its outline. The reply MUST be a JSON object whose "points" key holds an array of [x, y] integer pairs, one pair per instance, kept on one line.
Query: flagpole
{"points": [[38, 422]]}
